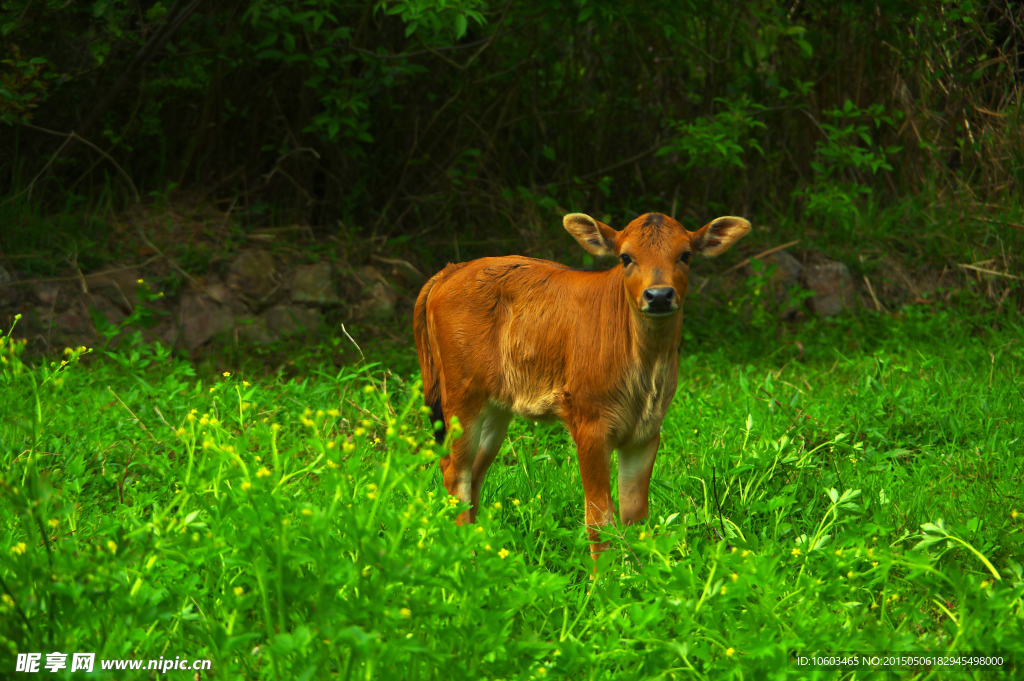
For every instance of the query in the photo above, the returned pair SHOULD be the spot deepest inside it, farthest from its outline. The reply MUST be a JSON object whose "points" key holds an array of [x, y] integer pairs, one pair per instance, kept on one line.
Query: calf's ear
{"points": [[596, 237], [718, 235]]}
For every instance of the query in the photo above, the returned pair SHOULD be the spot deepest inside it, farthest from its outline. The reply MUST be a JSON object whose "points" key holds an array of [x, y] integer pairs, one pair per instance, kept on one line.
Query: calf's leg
{"points": [[457, 467], [595, 472], [492, 425], [635, 466]]}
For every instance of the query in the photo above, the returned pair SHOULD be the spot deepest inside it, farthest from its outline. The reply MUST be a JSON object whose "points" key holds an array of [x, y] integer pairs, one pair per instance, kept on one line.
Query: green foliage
{"points": [[441, 20], [842, 154], [862, 501], [23, 86], [718, 142], [342, 102], [845, 163], [366, 111]]}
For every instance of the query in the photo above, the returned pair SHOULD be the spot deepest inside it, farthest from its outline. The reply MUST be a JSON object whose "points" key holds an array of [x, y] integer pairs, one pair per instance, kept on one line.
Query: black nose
{"points": [[659, 299]]}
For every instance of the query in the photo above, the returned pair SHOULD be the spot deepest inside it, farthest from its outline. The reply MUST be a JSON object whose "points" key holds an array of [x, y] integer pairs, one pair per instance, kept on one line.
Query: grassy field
{"points": [[858, 491]]}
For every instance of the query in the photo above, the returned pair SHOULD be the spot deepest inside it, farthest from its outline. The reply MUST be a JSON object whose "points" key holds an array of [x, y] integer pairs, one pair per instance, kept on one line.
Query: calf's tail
{"points": [[431, 377]]}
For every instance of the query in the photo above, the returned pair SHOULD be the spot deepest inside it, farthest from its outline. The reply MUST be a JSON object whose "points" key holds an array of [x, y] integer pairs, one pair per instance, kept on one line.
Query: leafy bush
{"points": [[366, 111], [718, 142], [845, 165]]}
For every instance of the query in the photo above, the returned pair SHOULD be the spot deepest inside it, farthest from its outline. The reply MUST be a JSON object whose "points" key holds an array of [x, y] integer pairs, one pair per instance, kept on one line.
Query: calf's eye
{"points": [[685, 257], [625, 259]]}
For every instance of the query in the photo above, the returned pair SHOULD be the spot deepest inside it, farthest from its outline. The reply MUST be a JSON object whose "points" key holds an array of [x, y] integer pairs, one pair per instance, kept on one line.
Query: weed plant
{"points": [[865, 499]]}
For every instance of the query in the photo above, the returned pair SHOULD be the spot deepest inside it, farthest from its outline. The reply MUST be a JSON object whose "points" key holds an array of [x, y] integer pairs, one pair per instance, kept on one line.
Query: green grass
{"points": [[862, 499]]}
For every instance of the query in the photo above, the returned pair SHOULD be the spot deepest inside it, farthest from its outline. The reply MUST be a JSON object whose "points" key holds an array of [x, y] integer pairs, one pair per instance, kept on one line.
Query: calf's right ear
{"points": [[596, 237]]}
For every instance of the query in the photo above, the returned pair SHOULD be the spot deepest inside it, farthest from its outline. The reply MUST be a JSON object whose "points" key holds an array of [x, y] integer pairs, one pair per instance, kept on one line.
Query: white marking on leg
{"points": [[464, 484], [635, 465], [493, 426]]}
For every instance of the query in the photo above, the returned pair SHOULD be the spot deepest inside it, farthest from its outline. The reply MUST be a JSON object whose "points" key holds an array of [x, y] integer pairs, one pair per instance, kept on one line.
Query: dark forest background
{"points": [[461, 123]]}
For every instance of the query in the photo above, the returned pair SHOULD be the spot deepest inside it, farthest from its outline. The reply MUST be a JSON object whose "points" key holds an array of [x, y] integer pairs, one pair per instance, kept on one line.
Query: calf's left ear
{"points": [[718, 235]]}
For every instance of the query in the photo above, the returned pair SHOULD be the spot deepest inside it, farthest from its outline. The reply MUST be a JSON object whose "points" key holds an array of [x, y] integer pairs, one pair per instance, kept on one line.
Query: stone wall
{"points": [[261, 296]]}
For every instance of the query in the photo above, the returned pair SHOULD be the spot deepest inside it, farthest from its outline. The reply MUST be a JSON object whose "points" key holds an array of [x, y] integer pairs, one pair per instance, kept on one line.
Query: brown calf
{"points": [[498, 337]]}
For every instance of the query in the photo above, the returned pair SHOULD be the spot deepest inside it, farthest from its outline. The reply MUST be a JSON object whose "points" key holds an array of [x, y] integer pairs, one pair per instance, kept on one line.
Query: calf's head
{"points": [[655, 253]]}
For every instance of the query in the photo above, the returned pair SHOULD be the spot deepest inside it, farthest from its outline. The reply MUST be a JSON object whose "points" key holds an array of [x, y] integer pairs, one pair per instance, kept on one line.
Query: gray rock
{"points": [[165, 331], [378, 296], [254, 278], [224, 295], [8, 294], [113, 313], [73, 328], [314, 284], [785, 277], [787, 268], [202, 318], [73, 322], [252, 330], [47, 292], [117, 287], [832, 286], [287, 320]]}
